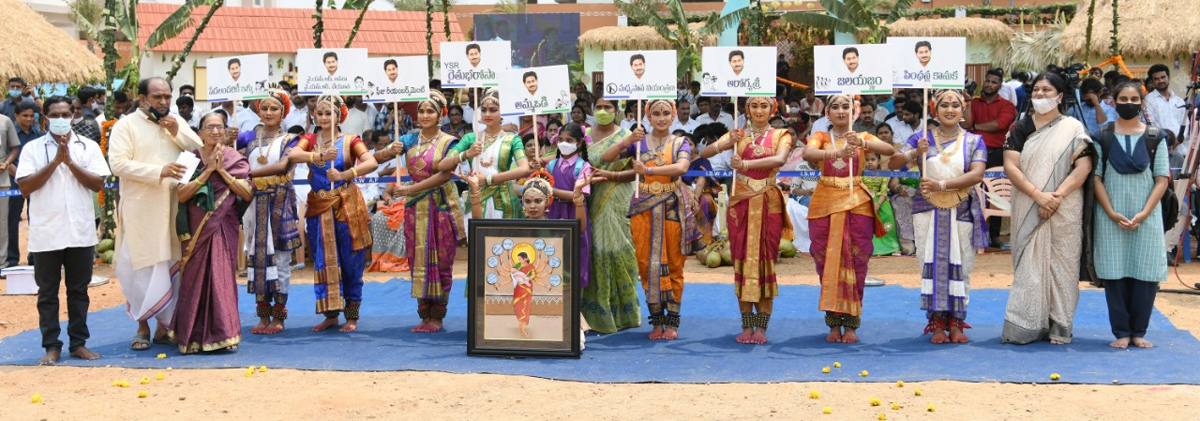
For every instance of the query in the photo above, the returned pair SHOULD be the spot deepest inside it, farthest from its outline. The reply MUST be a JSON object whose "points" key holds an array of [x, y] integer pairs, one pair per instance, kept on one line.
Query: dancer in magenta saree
{"points": [[206, 314]]}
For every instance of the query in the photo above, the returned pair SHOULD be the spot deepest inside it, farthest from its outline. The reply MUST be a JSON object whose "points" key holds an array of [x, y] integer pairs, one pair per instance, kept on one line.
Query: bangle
{"points": [[198, 182], [354, 171], [942, 185], [489, 180], [578, 200]]}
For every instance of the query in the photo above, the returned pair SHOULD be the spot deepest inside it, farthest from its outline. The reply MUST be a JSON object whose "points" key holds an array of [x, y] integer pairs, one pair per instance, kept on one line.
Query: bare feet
{"points": [[670, 334], [1141, 343], [261, 327], [849, 337], [656, 334], [326, 324], [435, 325], [523, 331], [759, 337], [51, 357], [85, 354], [1120, 343], [939, 337], [1057, 342], [350, 326], [276, 326], [835, 335], [957, 336], [422, 327], [744, 338]]}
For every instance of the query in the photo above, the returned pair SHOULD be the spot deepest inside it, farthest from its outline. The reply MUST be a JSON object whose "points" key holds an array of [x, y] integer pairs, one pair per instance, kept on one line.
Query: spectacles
{"points": [[456, 115], [213, 128]]}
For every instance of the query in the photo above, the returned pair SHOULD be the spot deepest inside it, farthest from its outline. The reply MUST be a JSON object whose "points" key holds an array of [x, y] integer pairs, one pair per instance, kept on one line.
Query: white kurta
{"points": [[146, 240]]}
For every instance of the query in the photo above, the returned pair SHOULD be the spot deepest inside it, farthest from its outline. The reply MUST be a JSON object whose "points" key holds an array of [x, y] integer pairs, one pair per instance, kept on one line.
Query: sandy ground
{"points": [[87, 393]]}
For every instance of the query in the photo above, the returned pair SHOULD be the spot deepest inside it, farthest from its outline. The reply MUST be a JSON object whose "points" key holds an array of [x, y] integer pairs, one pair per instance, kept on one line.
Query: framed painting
{"points": [[522, 288]]}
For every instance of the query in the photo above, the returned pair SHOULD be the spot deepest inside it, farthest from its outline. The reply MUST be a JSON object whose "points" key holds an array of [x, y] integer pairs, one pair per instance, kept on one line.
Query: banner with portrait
{"points": [[852, 69], [332, 71], [738, 71], [474, 64], [538, 39], [397, 79], [640, 74], [928, 62], [237, 78], [535, 90]]}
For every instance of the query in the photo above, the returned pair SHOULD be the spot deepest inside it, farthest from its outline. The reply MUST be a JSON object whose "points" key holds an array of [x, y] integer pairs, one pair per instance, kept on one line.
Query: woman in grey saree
{"points": [[1048, 157]]}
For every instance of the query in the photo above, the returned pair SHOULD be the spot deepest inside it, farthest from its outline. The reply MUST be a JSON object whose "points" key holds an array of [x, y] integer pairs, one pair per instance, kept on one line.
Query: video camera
{"points": [[1070, 74]]}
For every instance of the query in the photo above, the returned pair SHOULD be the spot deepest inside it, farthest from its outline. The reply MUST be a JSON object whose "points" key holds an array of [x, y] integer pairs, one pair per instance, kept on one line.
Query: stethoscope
{"points": [[46, 147]]}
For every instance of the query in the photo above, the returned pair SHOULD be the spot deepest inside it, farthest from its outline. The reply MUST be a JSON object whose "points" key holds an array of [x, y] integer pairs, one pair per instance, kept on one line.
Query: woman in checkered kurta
{"points": [[1129, 240]]}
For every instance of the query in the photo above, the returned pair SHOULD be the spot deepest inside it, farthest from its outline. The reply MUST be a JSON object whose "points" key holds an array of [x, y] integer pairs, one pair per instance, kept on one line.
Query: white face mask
{"points": [[60, 126], [793, 110], [1044, 105], [567, 149]]}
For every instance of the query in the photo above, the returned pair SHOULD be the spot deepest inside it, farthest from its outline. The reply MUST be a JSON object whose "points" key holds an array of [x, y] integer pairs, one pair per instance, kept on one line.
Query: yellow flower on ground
{"points": [[875, 402], [837, 364], [160, 376], [161, 356], [863, 373], [262, 369], [1055, 376], [827, 410], [900, 383], [142, 394], [929, 407], [825, 370], [917, 391], [881, 417], [813, 394], [895, 406], [37, 398], [145, 380]]}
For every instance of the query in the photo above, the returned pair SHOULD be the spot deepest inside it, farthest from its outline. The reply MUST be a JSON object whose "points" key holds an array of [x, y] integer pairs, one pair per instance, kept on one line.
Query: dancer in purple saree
{"points": [[206, 314]]}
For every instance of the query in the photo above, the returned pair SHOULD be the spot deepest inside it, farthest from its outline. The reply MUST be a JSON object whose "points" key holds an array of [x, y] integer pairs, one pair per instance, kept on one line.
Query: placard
{"points": [[535, 90], [474, 64], [237, 78], [738, 71], [397, 79], [339, 71], [852, 69], [522, 288], [928, 62], [639, 74]]}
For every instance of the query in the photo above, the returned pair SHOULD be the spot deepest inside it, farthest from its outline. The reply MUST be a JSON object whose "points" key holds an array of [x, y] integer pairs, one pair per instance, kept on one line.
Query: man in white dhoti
{"points": [[143, 149]]}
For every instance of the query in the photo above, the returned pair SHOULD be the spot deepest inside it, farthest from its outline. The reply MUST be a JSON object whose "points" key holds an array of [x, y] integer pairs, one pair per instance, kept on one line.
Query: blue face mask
{"points": [[14, 93]]}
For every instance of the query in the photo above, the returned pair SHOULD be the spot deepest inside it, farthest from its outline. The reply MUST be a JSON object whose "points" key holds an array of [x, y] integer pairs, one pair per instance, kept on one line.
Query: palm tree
{"points": [[88, 15], [509, 7], [177, 61], [858, 17], [361, 6], [319, 24], [1087, 48], [673, 26], [1116, 46], [418, 5]]}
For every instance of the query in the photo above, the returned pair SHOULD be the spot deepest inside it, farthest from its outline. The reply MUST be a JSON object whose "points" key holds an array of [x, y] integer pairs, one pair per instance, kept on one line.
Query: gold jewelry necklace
{"points": [[758, 135], [659, 159], [423, 144], [488, 140], [840, 163], [263, 149], [945, 155]]}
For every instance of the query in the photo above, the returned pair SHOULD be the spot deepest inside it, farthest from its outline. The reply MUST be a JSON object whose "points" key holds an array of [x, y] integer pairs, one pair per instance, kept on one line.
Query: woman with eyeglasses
{"points": [[272, 226], [496, 156], [456, 127], [206, 310], [336, 206]]}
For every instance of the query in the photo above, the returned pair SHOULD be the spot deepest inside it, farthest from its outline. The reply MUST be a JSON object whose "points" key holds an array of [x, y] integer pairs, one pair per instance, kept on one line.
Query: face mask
{"points": [[157, 115], [97, 107], [60, 126], [1129, 111], [567, 149], [76, 120], [14, 93], [793, 110], [1044, 105], [604, 118]]}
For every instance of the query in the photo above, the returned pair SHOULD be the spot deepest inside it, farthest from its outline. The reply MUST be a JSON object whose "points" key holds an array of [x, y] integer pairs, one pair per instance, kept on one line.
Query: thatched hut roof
{"points": [[1148, 28], [38, 52], [987, 30], [633, 38]]}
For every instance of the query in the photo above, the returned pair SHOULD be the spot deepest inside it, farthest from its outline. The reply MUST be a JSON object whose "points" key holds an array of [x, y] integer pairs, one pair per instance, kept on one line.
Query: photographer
{"points": [[1091, 110]]}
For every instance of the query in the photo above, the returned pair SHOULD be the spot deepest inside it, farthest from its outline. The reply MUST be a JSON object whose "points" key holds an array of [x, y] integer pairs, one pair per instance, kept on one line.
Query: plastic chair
{"points": [[998, 186]]}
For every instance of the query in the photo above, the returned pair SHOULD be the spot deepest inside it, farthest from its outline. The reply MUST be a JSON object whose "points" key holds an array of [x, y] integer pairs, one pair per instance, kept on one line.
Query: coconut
{"points": [[787, 249], [105, 245], [713, 260], [107, 256], [726, 256]]}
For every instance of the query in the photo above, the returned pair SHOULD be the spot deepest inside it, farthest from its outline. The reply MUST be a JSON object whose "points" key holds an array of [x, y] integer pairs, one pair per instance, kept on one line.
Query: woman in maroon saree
{"points": [[206, 313]]}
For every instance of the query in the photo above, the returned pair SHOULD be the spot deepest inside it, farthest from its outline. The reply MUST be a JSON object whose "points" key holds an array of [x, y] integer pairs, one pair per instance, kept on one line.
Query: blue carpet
{"points": [[891, 348]]}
